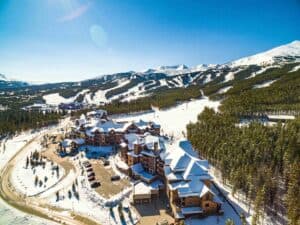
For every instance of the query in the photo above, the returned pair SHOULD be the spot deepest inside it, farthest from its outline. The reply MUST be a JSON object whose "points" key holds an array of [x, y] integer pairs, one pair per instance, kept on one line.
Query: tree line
{"points": [[261, 161], [13, 121]]}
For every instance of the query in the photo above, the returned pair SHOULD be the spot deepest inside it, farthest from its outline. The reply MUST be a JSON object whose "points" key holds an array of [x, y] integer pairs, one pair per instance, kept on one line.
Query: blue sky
{"points": [[62, 40]]}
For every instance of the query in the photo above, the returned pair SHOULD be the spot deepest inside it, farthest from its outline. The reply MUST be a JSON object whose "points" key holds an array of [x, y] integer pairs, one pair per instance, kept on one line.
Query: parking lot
{"points": [[103, 174]]}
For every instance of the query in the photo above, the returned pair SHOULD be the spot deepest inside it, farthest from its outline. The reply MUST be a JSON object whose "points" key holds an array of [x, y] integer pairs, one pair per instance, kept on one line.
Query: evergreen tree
{"points": [[229, 222], [293, 195], [258, 207]]}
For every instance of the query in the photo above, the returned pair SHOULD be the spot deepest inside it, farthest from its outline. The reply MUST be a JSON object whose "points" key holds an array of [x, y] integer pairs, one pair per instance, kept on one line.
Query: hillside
{"points": [[216, 80], [6, 83]]}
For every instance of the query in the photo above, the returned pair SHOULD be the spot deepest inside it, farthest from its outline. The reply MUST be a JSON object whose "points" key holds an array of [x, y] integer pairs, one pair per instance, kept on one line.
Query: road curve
{"points": [[32, 205]]}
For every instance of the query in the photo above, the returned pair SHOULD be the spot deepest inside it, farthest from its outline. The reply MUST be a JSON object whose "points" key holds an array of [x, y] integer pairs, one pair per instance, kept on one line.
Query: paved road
{"points": [[32, 205]]}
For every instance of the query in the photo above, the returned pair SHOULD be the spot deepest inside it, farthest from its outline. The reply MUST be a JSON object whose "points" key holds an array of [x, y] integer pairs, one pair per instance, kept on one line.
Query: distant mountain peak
{"points": [[174, 67]]}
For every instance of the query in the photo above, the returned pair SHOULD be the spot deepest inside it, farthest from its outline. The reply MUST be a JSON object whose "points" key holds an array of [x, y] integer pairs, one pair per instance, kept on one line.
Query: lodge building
{"points": [[156, 164]]}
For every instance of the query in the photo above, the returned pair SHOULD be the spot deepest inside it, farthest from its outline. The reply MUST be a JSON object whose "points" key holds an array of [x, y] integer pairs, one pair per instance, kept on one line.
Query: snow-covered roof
{"points": [[191, 210], [138, 169], [180, 162], [172, 176], [144, 188], [123, 145], [150, 141], [66, 143], [142, 125], [194, 168], [79, 141], [181, 157], [195, 187], [131, 153], [184, 170], [107, 126]]}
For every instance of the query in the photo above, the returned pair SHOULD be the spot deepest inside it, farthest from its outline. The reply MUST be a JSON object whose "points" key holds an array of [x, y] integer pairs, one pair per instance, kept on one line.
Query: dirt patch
{"points": [[103, 174]]}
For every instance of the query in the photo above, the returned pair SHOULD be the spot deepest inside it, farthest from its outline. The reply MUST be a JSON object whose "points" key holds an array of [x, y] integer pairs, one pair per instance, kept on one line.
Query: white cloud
{"points": [[74, 14]]}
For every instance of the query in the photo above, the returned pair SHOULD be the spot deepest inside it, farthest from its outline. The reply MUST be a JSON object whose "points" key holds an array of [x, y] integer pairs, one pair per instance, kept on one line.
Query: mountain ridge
{"points": [[131, 85]]}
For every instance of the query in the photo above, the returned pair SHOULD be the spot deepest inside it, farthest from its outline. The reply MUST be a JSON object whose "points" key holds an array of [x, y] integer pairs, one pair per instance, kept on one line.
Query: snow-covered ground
{"points": [[9, 215], [56, 99], [173, 121], [265, 84], [296, 68], [90, 203], [131, 94], [231, 75], [99, 96], [264, 69], [8, 148], [23, 178], [224, 90]]}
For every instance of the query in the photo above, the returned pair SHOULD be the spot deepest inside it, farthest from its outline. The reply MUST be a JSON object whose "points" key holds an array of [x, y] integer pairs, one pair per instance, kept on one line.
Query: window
{"points": [[206, 205]]}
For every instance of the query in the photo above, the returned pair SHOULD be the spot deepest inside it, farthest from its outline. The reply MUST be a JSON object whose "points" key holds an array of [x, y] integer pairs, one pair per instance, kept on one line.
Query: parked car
{"points": [[91, 174], [91, 179], [95, 184], [90, 170], [115, 178]]}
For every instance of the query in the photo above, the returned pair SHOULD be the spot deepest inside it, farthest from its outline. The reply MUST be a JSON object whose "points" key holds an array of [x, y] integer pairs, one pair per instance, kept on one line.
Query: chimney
{"points": [[155, 146]]}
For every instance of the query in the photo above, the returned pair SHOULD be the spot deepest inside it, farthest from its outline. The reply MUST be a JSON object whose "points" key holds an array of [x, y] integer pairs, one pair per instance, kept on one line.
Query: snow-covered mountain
{"points": [[131, 85], [10, 83], [3, 77], [283, 53]]}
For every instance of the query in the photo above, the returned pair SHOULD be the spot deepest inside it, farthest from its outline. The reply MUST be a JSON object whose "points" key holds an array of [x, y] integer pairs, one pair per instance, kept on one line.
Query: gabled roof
{"points": [[138, 169], [150, 140], [132, 139], [181, 157], [180, 162], [194, 168], [195, 187], [172, 176], [67, 142]]}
